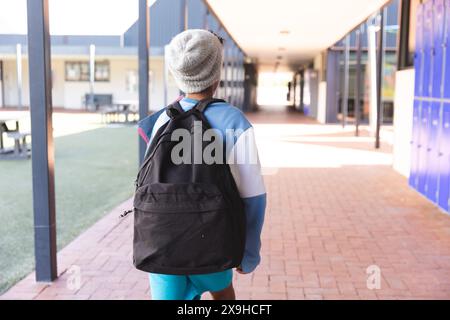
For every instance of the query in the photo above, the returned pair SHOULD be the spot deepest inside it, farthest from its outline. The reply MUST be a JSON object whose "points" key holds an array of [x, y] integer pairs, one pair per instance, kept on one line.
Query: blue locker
{"points": [[423, 145], [438, 49], [427, 48], [444, 159], [413, 176], [418, 66], [447, 51], [433, 152], [418, 56]]}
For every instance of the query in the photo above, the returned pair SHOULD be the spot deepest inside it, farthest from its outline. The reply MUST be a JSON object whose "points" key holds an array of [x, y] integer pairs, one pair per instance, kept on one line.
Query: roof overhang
{"points": [[296, 31]]}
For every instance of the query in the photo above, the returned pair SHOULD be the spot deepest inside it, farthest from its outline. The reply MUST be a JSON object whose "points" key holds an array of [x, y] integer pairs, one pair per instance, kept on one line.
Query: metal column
{"points": [[226, 70], [183, 23], [332, 86], [143, 52], [19, 74], [42, 142], [233, 76], [358, 81], [205, 21], [379, 77], [403, 37], [91, 76], [346, 81], [184, 15]]}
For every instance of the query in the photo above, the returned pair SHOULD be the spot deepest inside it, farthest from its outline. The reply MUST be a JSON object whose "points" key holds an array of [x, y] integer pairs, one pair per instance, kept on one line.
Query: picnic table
{"points": [[125, 107], [20, 149]]}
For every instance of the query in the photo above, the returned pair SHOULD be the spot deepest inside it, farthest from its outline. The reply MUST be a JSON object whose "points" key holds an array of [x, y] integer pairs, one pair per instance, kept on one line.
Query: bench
{"points": [[20, 143], [111, 114], [97, 101]]}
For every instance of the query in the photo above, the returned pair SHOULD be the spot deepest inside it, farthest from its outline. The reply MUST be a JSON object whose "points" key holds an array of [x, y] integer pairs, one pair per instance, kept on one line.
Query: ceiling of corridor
{"points": [[296, 30]]}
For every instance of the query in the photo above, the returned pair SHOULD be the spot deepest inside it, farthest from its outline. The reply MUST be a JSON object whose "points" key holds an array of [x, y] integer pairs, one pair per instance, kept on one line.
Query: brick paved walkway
{"points": [[335, 207]]}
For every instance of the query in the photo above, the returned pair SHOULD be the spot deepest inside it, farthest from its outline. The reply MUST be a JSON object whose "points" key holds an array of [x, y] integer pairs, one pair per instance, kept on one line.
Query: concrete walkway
{"points": [[335, 209]]}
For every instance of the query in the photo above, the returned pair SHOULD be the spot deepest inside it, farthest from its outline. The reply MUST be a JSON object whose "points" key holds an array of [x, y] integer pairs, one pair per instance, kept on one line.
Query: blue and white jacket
{"points": [[223, 116]]}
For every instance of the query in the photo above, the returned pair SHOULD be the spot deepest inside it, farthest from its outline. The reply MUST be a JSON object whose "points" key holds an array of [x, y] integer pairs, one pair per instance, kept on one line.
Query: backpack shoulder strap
{"points": [[203, 104], [174, 109]]}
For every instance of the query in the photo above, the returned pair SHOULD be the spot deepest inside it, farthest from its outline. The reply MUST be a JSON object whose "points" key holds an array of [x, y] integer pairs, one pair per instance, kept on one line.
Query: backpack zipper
{"points": [[125, 213]]}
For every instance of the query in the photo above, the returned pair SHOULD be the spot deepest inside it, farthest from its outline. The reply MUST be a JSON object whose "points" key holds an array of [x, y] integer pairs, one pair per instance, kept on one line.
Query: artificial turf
{"points": [[94, 172]]}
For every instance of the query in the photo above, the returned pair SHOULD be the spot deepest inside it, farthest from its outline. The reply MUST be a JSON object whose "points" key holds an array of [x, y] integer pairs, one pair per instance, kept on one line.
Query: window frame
{"points": [[84, 64]]}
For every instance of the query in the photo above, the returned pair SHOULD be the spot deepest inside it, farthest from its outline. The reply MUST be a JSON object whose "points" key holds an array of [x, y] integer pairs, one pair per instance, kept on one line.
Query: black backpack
{"points": [[188, 218]]}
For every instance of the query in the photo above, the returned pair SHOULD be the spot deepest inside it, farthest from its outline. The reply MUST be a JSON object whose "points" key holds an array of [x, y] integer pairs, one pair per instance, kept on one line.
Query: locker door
{"points": [[427, 48], [433, 152], [423, 146], [418, 67], [444, 159], [447, 51], [438, 41], [418, 55], [413, 176]]}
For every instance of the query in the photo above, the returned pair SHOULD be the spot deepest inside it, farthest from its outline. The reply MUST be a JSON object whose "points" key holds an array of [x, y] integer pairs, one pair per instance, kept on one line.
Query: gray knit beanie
{"points": [[195, 60]]}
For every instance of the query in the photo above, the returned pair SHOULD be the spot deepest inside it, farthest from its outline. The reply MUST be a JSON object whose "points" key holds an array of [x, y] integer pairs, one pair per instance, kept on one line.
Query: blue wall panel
{"points": [[444, 159], [413, 176], [423, 144], [418, 56], [427, 48], [447, 51], [418, 66], [430, 143], [444, 148], [425, 91], [433, 152], [438, 48]]}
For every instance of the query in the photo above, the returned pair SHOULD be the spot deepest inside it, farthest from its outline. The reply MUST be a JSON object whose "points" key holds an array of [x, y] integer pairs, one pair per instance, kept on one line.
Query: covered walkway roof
{"points": [[295, 30]]}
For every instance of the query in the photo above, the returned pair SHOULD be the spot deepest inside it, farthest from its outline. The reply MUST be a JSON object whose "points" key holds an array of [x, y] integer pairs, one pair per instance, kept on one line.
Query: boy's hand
{"points": [[239, 270]]}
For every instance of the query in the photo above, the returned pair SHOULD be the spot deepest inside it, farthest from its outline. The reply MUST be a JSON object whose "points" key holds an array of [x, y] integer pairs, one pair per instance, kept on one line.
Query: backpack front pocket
{"points": [[180, 228]]}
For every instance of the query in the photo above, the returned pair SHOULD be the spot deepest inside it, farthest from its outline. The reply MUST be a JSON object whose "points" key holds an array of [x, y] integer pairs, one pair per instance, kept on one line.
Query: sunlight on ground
{"points": [[315, 146], [63, 123]]}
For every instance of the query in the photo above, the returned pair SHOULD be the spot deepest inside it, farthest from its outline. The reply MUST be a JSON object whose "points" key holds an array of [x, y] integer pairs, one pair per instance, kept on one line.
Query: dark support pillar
{"points": [[345, 95], [143, 53], [358, 82], [205, 20], [183, 21], [42, 142], [379, 78], [184, 15], [332, 86], [403, 38]]}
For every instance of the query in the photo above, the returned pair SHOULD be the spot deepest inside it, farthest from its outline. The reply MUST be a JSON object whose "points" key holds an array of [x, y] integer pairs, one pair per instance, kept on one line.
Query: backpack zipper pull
{"points": [[125, 213]]}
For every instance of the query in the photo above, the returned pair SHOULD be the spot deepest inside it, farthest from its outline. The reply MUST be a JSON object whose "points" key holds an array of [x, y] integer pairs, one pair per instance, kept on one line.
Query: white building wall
{"points": [[403, 119], [74, 92], [322, 103], [70, 95], [10, 83], [58, 82]]}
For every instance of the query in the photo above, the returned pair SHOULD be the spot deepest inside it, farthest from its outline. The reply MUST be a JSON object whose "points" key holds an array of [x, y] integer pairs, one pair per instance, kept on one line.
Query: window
{"points": [[80, 70], [132, 81], [102, 71]]}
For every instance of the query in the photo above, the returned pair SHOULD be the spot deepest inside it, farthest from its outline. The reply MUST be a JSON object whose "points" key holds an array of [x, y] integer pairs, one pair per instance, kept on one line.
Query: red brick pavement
{"points": [[335, 207]]}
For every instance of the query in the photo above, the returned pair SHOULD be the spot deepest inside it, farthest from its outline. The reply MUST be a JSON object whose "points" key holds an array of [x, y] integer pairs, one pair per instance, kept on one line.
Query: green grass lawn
{"points": [[94, 172]]}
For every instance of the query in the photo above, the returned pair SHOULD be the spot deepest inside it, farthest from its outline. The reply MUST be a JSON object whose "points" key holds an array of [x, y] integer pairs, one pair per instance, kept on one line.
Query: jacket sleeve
{"points": [[246, 170], [146, 126]]}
